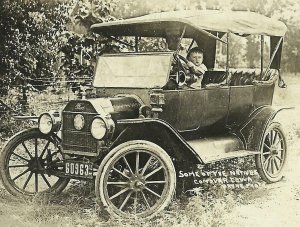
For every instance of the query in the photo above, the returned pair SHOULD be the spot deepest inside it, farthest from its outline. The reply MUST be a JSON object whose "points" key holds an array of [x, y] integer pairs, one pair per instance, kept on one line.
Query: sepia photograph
{"points": [[149, 113]]}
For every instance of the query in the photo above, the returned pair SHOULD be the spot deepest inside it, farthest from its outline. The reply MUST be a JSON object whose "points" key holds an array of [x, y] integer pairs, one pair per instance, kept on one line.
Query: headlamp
{"points": [[98, 128], [49, 122], [79, 122]]}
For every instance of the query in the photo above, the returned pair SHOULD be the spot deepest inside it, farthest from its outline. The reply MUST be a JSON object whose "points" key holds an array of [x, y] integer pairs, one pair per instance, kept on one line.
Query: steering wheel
{"points": [[182, 58], [183, 74], [186, 75], [178, 58]]}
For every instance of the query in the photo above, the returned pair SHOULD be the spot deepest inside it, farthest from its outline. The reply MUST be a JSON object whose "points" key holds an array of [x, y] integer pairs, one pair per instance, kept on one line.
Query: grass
{"points": [[76, 207]]}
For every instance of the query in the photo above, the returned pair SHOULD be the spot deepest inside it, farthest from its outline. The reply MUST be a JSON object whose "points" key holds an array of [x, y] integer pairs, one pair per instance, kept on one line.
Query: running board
{"points": [[220, 148]]}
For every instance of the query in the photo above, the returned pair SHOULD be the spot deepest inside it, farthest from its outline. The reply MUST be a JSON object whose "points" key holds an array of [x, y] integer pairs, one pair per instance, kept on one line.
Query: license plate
{"points": [[79, 169]]}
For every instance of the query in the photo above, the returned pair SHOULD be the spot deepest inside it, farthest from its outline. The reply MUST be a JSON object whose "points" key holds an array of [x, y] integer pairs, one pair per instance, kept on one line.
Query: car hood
{"points": [[117, 107]]}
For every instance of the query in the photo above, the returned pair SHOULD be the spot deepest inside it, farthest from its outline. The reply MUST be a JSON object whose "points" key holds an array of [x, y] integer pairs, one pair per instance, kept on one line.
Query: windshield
{"points": [[133, 70]]}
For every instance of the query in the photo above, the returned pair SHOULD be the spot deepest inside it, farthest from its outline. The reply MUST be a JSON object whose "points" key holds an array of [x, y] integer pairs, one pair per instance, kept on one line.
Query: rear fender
{"points": [[253, 130], [160, 133]]}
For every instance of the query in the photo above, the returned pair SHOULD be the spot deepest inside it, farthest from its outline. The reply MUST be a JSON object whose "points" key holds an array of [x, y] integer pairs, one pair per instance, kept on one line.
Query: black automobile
{"points": [[133, 137]]}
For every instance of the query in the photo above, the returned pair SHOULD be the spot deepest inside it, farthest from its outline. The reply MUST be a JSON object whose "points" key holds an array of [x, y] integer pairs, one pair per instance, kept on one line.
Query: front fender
{"points": [[160, 133], [55, 138], [26, 118], [252, 131]]}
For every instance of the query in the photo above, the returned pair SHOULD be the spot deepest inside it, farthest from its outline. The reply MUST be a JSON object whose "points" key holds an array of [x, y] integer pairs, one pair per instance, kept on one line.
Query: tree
{"points": [[29, 32], [79, 46]]}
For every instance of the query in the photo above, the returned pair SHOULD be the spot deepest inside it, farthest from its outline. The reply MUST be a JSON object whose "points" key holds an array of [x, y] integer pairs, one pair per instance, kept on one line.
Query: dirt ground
{"points": [[274, 205], [279, 206]]}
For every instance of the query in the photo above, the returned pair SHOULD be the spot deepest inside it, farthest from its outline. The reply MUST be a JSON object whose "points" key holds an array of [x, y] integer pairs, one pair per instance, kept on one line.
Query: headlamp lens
{"points": [[98, 128], [45, 123], [79, 122]]}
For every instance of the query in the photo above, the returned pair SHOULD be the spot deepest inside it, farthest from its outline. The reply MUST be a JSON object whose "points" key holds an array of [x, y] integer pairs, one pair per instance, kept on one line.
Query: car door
{"points": [[199, 108], [241, 104]]}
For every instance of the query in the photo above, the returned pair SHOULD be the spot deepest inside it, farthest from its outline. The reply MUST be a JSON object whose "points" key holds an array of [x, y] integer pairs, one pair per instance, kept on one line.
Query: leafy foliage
{"points": [[79, 47], [34, 33], [29, 41]]}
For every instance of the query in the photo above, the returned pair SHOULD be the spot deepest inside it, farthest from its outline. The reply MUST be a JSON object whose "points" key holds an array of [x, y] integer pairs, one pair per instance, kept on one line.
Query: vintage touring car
{"points": [[133, 137]]}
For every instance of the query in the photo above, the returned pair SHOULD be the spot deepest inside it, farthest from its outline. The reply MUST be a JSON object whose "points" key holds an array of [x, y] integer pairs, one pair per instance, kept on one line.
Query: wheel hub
{"points": [[36, 165], [274, 151], [137, 183]]}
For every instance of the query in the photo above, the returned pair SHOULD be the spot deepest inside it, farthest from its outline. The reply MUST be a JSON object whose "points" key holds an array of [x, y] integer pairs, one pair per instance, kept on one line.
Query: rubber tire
{"points": [[259, 165], [58, 187], [118, 152]]}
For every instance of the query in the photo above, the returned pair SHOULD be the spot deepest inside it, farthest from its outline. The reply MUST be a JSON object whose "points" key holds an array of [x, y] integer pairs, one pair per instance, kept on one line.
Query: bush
{"points": [[29, 44]]}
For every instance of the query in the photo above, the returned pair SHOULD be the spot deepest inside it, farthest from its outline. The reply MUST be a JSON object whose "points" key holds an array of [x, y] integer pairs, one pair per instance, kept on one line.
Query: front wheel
{"points": [[136, 179], [273, 153], [26, 163]]}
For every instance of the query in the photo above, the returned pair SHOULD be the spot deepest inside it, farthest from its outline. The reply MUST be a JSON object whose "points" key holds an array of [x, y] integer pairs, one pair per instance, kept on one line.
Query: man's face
{"points": [[173, 42], [196, 58]]}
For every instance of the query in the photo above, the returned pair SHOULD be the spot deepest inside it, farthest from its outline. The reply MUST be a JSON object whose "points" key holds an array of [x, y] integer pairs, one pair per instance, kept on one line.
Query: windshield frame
{"points": [[136, 54]]}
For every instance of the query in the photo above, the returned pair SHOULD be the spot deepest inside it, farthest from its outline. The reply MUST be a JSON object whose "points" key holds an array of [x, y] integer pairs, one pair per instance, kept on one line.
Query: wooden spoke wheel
{"points": [[26, 163], [272, 158], [136, 179]]}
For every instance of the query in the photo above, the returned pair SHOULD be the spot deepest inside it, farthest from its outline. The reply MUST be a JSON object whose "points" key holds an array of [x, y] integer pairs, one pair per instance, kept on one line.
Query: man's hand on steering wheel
{"points": [[182, 58], [178, 58]]}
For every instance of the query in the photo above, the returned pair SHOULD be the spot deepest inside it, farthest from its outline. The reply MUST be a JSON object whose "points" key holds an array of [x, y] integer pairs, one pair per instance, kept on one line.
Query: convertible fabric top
{"points": [[239, 22]]}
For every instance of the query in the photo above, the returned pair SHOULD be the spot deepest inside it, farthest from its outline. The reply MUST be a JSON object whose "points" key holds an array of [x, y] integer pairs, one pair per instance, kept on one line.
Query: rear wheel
{"points": [[136, 179], [272, 158], [26, 163]]}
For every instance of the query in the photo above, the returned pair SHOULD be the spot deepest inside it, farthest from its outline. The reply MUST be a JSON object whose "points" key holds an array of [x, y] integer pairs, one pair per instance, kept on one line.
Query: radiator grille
{"points": [[74, 140]]}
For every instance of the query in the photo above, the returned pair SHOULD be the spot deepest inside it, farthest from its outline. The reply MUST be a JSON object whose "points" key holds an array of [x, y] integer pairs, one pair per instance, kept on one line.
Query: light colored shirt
{"points": [[198, 71]]}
